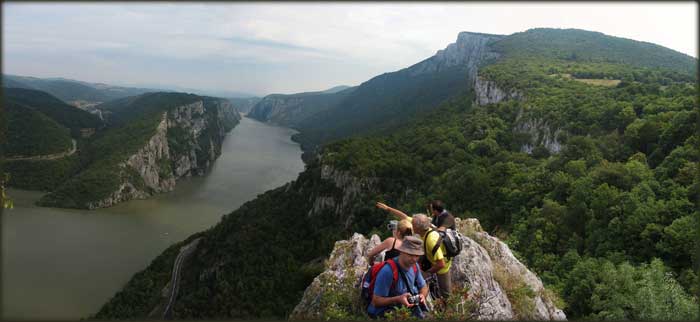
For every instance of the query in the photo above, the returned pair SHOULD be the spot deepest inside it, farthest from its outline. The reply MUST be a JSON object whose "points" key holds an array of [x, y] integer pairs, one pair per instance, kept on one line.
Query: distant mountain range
{"points": [[86, 95], [76, 93]]}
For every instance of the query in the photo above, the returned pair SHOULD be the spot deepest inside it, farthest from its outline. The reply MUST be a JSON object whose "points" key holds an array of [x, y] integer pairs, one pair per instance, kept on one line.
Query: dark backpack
{"points": [[452, 240], [370, 277]]}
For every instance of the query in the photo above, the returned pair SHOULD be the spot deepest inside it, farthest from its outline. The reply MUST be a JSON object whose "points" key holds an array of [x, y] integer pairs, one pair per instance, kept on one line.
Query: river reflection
{"points": [[64, 264]]}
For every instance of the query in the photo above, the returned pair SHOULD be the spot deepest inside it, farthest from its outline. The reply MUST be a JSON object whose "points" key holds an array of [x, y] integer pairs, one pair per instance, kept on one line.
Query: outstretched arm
{"points": [[395, 212]]}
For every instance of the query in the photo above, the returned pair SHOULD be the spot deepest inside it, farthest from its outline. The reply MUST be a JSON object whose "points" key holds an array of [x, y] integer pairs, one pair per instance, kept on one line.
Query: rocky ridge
{"points": [[485, 273], [470, 51]]}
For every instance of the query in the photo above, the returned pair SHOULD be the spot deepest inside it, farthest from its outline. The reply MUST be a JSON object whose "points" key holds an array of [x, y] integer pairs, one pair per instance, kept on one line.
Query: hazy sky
{"points": [[264, 48]]}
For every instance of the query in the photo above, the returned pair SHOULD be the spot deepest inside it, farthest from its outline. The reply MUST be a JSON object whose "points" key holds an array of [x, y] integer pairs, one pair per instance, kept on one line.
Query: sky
{"points": [[279, 47]]}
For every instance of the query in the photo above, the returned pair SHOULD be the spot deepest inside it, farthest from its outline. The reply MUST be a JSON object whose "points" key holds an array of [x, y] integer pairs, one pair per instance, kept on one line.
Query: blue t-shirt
{"points": [[382, 285]]}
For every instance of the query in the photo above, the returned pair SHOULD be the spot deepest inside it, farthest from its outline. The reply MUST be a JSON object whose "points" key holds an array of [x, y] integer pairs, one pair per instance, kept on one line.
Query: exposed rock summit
{"points": [[470, 50], [486, 269]]}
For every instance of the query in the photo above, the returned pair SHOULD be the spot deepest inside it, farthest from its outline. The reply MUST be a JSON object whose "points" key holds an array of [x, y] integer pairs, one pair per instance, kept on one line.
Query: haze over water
{"points": [[64, 263]]}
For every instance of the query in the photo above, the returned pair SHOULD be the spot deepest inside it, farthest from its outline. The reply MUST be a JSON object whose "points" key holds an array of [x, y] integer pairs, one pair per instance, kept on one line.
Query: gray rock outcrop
{"points": [[484, 264], [538, 130], [540, 134], [341, 201], [487, 92], [292, 110], [470, 51], [278, 109]]}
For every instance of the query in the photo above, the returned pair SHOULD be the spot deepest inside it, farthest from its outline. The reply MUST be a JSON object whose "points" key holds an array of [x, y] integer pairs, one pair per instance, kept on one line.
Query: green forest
{"points": [[32, 133]]}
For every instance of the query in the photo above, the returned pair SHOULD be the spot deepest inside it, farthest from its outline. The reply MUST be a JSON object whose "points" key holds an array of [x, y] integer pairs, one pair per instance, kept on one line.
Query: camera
{"points": [[392, 225], [414, 299]]}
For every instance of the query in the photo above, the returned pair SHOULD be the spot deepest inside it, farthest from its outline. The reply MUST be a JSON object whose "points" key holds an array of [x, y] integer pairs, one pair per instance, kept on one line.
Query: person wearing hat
{"points": [[410, 281]]}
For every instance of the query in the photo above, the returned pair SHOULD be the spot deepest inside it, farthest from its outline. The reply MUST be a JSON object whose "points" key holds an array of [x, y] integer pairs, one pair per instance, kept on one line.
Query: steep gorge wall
{"points": [[278, 110], [187, 140]]}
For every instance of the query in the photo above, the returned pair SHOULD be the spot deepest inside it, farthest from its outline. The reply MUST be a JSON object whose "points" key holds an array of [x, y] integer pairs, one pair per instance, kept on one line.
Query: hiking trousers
{"points": [[445, 284]]}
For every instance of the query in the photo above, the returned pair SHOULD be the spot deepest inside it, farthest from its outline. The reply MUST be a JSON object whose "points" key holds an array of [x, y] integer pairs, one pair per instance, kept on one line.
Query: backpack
{"points": [[452, 240], [370, 277]]}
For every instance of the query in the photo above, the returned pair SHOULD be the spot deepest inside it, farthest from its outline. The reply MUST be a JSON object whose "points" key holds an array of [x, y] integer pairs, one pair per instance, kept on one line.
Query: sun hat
{"points": [[411, 245]]}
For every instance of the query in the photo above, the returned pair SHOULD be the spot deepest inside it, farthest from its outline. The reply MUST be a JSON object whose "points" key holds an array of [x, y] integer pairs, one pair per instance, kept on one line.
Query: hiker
{"points": [[441, 217], [399, 230], [434, 261], [399, 282]]}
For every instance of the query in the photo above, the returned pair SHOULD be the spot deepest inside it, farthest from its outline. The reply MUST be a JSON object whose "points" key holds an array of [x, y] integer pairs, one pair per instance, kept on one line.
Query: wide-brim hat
{"points": [[411, 245]]}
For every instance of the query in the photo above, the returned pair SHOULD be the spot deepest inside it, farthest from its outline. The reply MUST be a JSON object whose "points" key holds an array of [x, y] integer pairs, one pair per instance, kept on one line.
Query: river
{"points": [[61, 264]]}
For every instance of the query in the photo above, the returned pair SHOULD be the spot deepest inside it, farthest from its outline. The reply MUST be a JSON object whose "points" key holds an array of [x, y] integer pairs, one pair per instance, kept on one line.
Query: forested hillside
{"points": [[583, 45], [39, 125], [121, 111], [382, 103], [32, 133], [64, 114]]}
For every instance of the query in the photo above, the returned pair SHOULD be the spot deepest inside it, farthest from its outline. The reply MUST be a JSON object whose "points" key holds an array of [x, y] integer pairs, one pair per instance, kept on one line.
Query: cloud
{"points": [[287, 47], [272, 44]]}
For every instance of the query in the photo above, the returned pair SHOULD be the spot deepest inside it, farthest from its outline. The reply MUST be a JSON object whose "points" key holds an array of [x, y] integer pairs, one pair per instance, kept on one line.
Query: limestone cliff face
{"points": [[486, 269], [186, 142], [487, 92], [540, 134], [470, 51], [340, 201], [538, 130], [291, 110], [278, 109]]}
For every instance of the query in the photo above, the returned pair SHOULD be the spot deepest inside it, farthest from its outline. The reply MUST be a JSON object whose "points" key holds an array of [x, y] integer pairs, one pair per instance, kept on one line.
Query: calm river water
{"points": [[62, 264]]}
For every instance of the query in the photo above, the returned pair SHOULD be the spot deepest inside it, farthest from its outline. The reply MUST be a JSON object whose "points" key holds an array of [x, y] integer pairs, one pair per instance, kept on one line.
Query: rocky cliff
{"points": [[540, 134], [277, 109], [186, 142], [487, 92], [291, 110], [470, 51], [538, 131], [488, 282]]}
